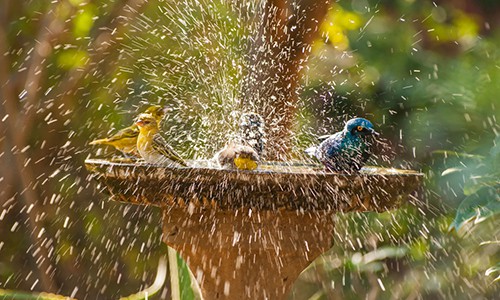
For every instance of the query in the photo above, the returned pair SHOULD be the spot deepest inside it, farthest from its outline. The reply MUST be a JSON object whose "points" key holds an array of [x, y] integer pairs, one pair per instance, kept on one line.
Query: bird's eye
{"points": [[359, 128]]}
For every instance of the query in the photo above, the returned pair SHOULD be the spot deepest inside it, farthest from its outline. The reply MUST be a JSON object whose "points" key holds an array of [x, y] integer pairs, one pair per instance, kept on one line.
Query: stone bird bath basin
{"points": [[249, 234]]}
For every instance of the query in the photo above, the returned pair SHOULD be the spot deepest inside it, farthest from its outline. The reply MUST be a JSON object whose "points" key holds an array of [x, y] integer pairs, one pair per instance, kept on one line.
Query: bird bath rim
{"points": [[266, 167], [275, 185]]}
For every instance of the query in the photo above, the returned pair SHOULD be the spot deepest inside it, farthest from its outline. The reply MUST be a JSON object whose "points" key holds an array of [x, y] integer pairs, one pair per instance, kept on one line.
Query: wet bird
{"points": [[347, 150], [252, 132], [245, 150], [152, 146], [237, 156], [125, 140]]}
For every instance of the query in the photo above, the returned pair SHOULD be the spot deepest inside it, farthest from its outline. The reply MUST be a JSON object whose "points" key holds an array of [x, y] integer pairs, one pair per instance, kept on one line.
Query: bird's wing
{"points": [[125, 133], [334, 145], [225, 157], [311, 151], [247, 151], [324, 141], [160, 145], [99, 141]]}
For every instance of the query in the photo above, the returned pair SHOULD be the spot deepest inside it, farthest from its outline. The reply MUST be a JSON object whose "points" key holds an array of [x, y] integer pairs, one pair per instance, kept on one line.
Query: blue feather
{"points": [[346, 150]]}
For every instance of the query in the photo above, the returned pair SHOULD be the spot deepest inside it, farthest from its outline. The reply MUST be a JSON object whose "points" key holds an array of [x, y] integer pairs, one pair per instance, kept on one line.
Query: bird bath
{"points": [[249, 234]]}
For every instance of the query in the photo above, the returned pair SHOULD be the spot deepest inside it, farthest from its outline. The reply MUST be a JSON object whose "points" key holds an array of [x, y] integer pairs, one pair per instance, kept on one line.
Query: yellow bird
{"points": [[237, 156], [152, 146], [125, 140]]}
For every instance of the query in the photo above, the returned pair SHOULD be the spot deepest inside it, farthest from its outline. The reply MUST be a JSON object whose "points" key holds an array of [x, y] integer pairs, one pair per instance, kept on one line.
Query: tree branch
{"points": [[15, 142]]}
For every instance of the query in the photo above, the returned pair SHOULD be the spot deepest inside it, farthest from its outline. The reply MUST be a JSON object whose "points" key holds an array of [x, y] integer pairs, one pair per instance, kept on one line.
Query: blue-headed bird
{"points": [[347, 150]]}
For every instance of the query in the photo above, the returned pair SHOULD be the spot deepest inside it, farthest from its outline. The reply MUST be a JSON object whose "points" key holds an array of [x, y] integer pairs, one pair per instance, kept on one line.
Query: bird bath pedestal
{"points": [[248, 235]]}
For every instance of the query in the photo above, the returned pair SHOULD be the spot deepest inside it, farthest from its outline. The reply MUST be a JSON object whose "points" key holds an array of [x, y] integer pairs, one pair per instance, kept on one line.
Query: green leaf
{"points": [[450, 171], [83, 22], [76, 2], [489, 243], [476, 183], [494, 269], [10, 294], [161, 275], [72, 58], [477, 207], [185, 283], [371, 261]]}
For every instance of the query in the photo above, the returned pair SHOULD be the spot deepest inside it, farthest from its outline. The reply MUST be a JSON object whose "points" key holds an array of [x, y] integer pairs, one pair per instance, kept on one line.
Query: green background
{"points": [[426, 74]]}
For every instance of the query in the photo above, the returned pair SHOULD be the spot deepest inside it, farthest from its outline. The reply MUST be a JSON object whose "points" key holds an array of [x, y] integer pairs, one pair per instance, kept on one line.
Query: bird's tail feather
{"points": [[99, 142], [324, 137]]}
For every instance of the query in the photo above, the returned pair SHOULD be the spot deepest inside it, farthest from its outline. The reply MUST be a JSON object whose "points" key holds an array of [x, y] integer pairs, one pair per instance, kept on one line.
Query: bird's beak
{"points": [[139, 122]]}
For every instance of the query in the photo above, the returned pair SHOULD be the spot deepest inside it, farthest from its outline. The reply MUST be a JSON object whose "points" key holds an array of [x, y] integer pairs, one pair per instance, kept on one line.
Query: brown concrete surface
{"points": [[247, 255]]}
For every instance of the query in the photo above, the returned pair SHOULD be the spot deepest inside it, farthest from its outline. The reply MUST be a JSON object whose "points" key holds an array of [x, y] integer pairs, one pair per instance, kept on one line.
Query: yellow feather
{"points": [[245, 163], [125, 140]]}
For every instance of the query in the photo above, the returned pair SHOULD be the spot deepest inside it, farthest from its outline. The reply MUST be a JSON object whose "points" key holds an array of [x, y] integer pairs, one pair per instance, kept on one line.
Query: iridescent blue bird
{"points": [[347, 150]]}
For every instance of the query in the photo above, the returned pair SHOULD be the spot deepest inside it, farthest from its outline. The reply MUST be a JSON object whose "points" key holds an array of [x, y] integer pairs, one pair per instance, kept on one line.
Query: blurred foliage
{"points": [[477, 207], [482, 186], [425, 73], [14, 295]]}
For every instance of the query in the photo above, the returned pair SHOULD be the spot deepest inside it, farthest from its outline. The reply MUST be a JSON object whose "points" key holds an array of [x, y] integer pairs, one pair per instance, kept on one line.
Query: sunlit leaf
{"points": [[451, 170], [83, 22], [76, 2], [465, 25], [337, 22], [489, 243], [419, 249], [10, 294], [494, 269], [72, 58], [370, 260]]}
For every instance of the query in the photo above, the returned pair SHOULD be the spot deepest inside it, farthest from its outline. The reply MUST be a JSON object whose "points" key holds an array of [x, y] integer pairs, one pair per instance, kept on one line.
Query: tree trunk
{"points": [[279, 51]]}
